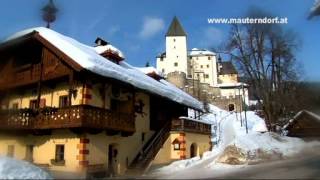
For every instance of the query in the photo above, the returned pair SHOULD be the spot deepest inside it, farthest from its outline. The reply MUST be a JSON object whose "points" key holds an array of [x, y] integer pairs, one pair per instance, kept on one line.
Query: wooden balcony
{"points": [[184, 124], [80, 116]]}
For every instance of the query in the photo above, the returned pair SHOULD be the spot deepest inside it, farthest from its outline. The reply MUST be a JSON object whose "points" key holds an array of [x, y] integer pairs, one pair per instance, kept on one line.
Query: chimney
{"points": [[100, 42]]}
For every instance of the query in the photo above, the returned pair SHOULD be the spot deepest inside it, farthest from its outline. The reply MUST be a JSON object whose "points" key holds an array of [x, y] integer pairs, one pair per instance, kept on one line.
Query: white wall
{"points": [[206, 64], [176, 52]]}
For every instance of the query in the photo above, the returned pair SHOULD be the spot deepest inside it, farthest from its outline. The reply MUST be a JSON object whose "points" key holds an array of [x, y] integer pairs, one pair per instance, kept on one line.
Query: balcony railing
{"points": [[70, 117], [184, 124]]}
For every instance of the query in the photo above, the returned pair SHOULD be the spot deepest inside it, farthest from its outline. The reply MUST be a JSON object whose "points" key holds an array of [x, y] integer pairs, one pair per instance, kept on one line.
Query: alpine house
{"points": [[77, 109]]}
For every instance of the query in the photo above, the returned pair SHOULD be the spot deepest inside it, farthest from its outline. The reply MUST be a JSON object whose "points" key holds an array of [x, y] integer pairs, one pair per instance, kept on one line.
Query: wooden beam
{"points": [[40, 80], [71, 87]]}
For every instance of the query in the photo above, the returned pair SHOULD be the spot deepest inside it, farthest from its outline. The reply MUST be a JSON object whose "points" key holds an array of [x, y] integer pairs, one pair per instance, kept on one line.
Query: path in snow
{"points": [[233, 134]]}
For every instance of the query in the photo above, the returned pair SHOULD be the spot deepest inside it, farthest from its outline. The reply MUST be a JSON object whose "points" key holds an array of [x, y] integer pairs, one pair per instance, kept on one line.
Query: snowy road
{"points": [[302, 166], [305, 165]]}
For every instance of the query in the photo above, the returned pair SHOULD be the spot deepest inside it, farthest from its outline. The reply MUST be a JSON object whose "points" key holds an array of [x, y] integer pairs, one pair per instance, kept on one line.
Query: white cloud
{"points": [[150, 27], [113, 30], [211, 36]]}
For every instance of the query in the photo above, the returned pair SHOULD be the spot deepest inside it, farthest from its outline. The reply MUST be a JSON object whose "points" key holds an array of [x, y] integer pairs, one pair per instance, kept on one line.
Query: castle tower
{"points": [[175, 58]]}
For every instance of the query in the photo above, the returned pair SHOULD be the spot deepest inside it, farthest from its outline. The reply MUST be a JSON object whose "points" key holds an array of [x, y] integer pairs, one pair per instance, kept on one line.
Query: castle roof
{"points": [[175, 28], [227, 68]]}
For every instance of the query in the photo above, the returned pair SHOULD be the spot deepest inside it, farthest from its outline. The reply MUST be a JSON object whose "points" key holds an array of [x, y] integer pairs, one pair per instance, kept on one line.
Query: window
{"points": [[15, 106], [174, 47], [207, 76], [201, 66], [143, 136], [63, 101], [33, 104], [177, 57], [208, 66], [176, 144], [10, 152], [114, 105], [29, 153], [174, 39], [59, 153], [175, 64], [189, 76], [162, 70], [209, 57], [161, 58]]}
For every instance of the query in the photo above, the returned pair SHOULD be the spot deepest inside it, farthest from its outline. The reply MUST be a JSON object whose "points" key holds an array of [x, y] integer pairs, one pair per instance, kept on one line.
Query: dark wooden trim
{"points": [[40, 79], [71, 87]]}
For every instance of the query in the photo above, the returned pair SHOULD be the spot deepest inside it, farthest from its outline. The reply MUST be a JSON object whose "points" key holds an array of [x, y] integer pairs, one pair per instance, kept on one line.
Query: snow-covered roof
{"points": [[200, 52], [149, 70], [300, 113], [238, 84], [196, 120], [102, 49], [88, 58], [315, 9]]}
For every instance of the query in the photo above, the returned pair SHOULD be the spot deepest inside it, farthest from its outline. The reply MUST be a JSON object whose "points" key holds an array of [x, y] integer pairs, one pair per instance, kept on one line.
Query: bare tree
{"points": [[265, 54]]}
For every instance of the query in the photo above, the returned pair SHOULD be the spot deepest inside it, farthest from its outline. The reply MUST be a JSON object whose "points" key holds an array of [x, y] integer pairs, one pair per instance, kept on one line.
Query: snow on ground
{"points": [[227, 131], [16, 169]]}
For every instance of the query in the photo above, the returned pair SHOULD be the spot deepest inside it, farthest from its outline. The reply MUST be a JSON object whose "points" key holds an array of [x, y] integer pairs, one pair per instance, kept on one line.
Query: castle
{"points": [[200, 72]]}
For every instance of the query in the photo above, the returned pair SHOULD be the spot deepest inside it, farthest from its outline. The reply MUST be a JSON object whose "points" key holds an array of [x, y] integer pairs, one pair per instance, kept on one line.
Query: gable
{"points": [[21, 63]]}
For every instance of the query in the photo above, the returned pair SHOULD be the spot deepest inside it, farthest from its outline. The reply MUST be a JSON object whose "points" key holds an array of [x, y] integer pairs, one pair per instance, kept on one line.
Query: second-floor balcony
{"points": [[189, 125], [79, 116]]}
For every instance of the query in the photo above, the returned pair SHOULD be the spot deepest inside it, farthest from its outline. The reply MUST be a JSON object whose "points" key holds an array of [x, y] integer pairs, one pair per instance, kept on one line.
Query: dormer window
{"points": [[108, 51]]}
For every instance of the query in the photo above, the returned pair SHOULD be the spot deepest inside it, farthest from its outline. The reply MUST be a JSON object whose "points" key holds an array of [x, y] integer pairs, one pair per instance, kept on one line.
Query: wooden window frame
{"points": [[176, 146], [63, 101], [59, 159], [15, 105], [33, 103]]}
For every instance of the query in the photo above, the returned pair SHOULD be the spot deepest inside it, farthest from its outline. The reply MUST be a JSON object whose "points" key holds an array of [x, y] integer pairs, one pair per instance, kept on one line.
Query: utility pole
{"points": [[240, 103], [245, 108]]}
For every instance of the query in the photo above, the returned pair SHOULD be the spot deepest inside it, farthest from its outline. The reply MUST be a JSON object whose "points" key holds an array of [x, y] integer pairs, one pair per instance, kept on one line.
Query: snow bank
{"points": [[16, 169], [88, 58]]}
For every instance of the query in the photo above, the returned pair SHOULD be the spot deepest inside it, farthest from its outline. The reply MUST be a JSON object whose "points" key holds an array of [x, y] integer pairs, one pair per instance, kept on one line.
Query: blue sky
{"points": [[138, 27]]}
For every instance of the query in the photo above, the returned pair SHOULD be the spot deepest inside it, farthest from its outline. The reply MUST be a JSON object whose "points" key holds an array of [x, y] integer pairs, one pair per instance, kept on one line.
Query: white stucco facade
{"points": [[176, 55]]}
